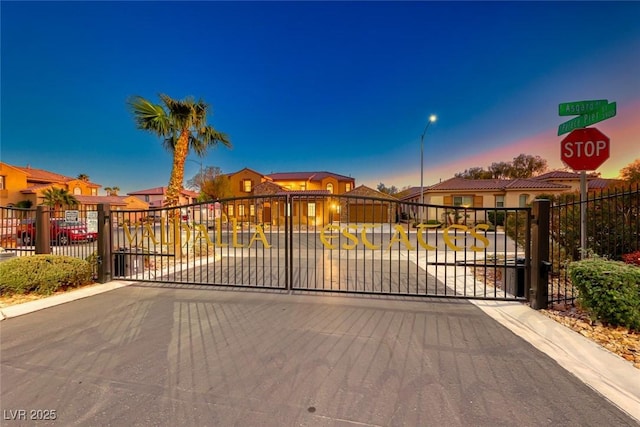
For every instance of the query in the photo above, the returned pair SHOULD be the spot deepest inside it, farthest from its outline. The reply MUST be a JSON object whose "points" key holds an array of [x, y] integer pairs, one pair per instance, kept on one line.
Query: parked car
{"points": [[61, 232]]}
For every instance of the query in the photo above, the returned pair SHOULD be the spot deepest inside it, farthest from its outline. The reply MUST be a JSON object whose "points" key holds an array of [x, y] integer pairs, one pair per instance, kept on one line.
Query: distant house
{"points": [[156, 196], [488, 193], [312, 209]]}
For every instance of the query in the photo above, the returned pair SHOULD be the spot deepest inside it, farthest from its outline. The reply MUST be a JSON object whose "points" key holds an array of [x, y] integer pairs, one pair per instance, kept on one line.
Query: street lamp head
{"points": [[432, 118]]}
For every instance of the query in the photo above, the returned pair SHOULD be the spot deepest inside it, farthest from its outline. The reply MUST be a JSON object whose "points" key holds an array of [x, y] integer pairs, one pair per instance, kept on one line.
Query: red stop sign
{"points": [[585, 149]]}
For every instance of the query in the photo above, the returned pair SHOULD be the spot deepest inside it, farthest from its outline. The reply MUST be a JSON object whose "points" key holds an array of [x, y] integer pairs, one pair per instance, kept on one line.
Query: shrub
{"points": [[43, 274], [496, 217], [608, 290], [632, 258]]}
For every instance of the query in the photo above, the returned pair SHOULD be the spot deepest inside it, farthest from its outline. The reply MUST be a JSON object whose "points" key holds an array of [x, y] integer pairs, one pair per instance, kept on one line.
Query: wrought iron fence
{"points": [[72, 232], [322, 242], [613, 229]]}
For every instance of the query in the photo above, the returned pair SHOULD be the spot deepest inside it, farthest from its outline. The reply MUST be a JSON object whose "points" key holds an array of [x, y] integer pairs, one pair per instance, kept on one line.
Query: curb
{"points": [[47, 302]]}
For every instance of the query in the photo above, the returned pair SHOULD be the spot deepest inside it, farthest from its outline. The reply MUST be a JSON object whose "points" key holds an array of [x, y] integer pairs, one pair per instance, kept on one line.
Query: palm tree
{"points": [[183, 127], [112, 191], [58, 198], [83, 177]]}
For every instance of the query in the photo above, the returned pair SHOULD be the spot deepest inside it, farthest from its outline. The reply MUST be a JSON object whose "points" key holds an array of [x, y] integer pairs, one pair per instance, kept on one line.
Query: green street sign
{"points": [[580, 107], [603, 113]]}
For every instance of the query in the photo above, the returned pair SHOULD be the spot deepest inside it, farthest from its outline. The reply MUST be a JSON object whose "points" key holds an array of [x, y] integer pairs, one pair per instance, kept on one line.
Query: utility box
{"points": [[128, 262], [514, 277]]}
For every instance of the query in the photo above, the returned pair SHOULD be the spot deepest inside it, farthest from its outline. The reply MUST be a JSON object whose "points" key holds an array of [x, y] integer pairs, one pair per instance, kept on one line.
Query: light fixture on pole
{"points": [[432, 118]]}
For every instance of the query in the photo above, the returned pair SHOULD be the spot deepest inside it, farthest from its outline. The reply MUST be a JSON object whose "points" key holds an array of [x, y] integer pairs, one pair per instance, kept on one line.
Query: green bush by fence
{"points": [[43, 274], [608, 290]]}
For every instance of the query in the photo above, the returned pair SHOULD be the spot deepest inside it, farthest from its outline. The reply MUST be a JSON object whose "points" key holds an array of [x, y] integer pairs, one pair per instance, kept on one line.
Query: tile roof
{"points": [[307, 176], [245, 169], [160, 191], [494, 184], [149, 191], [561, 175], [93, 200], [43, 175], [33, 188], [304, 192]]}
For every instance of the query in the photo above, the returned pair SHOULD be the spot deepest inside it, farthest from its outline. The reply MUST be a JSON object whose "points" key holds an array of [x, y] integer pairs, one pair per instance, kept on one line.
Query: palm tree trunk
{"points": [[180, 153], [174, 189]]}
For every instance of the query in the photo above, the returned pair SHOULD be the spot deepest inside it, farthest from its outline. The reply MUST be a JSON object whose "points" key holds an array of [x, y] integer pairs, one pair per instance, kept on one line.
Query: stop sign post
{"points": [[585, 149]]}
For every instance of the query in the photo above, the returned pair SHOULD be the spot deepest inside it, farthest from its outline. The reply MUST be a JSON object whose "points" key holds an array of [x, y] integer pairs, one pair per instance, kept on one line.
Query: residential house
{"points": [[310, 208], [156, 196], [19, 183], [488, 193]]}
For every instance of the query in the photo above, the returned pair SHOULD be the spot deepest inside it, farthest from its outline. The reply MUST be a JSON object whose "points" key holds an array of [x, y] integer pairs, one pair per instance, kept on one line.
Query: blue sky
{"points": [[345, 87]]}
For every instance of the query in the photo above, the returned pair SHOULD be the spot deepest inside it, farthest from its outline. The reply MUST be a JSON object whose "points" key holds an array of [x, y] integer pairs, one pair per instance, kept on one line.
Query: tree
{"points": [[112, 191], [526, 166], [387, 190], [522, 166], [213, 183], [83, 177], [500, 170], [183, 127], [631, 172], [58, 198], [475, 172]]}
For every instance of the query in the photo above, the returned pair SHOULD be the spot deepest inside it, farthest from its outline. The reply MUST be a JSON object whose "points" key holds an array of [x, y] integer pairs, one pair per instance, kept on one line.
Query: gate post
{"points": [[43, 233], [104, 242], [539, 294]]}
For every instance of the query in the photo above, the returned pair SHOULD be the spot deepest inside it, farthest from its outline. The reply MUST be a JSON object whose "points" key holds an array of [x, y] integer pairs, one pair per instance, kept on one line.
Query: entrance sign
{"points": [[580, 107], [601, 113], [585, 149]]}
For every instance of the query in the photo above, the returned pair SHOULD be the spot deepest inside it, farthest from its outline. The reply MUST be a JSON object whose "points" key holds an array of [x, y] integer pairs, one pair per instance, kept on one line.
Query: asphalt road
{"points": [[145, 355]]}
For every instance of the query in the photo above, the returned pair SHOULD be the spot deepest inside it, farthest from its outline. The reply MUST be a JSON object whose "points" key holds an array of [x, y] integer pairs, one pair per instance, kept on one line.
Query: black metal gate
{"points": [[326, 243]]}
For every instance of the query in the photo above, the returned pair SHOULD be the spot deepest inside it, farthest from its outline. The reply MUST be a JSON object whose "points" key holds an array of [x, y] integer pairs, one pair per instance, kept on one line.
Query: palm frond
{"points": [[149, 116]]}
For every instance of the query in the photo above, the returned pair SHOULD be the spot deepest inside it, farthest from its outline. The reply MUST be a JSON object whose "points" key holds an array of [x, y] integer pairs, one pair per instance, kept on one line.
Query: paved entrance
{"points": [[161, 355]]}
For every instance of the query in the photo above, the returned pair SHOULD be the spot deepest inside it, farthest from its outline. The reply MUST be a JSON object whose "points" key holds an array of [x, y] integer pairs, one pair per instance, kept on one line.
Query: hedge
{"points": [[608, 290], [43, 274]]}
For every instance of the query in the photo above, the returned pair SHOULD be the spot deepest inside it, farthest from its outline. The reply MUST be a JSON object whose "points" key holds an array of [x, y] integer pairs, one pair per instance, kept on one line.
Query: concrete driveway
{"points": [[147, 355]]}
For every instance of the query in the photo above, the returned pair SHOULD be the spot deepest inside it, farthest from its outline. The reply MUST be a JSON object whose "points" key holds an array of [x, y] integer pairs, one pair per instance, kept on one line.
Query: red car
{"points": [[61, 232]]}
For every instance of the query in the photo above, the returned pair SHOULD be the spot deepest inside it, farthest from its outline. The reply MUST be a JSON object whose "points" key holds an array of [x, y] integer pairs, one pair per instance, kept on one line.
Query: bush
{"points": [[496, 217], [632, 258], [608, 290], [43, 274]]}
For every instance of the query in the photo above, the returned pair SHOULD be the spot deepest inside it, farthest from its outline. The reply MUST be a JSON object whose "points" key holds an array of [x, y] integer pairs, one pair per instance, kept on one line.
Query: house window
{"points": [[246, 185], [230, 210], [252, 210], [241, 211], [523, 199], [347, 187], [499, 201], [146, 197], [465, 201], [2, 184], [94, 191], [77, 191], [303, 186], [311, 209], [330, 188]]}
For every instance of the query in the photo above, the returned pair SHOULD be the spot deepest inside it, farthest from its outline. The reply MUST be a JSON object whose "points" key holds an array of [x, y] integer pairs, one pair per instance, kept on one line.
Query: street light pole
{"points": [[432, 118]]}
